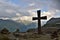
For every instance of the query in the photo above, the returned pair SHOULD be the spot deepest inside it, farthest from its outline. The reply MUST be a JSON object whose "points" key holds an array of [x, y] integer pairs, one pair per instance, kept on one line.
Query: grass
{"points": [[29, 37]]}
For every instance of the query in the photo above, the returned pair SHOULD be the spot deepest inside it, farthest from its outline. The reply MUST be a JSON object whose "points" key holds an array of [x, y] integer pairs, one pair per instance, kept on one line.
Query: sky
{"points": [[26, 9]]}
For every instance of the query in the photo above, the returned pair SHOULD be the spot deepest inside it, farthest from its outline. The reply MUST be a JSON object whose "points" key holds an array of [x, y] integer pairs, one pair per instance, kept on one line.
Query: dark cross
{"points": [[39, 20]]}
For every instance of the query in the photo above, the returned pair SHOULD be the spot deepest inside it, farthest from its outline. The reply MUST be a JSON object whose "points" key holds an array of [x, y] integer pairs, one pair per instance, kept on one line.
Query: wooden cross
{"points": [[39, 20]]}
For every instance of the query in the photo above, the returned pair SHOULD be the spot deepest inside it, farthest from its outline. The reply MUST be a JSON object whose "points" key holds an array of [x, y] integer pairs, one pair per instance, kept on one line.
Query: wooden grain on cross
{"points": [[39, 20]]}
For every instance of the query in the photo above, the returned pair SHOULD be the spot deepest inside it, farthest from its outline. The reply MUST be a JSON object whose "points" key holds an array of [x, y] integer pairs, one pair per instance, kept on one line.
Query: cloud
{"points": [[18, 14], [15, 12], [57, 3], [26, 18], [7, 9], [10, 11], [58, 11], [32, 4], [49, 5], [48, 14], [4, 18]]}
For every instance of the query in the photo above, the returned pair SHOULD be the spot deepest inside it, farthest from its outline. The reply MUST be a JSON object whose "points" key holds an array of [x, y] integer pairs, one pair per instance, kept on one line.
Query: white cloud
{"points": [[4, 18], [32, 4], [51, 5], [26, 18], [18, 14], [57, 10], [32, 13], [15, 18], [48, 14], [8, 8], [10, 11]]}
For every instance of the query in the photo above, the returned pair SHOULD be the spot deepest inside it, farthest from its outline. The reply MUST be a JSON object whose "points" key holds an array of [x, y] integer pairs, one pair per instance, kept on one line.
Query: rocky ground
{"points": [[26, 37]]}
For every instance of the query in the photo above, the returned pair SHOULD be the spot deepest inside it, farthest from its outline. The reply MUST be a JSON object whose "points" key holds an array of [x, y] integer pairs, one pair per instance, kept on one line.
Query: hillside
{"points": [[53, 22], [13, 25]]}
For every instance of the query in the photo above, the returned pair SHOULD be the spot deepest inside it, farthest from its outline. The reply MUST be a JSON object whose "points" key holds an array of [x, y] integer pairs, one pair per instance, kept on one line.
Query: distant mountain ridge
{"points": [[13, 25], [53, 22]]}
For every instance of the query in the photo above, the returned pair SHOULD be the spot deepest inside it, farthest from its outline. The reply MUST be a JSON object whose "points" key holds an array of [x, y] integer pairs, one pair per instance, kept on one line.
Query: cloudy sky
{"points": [[26, 9]]}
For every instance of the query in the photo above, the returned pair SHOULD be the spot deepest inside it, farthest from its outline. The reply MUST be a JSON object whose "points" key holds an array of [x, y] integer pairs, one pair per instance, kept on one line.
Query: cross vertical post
{"points": [[39, 22]]}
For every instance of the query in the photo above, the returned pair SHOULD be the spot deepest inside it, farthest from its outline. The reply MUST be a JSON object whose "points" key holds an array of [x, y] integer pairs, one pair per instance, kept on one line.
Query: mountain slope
{"points": [[53, 22], [13, 25]]}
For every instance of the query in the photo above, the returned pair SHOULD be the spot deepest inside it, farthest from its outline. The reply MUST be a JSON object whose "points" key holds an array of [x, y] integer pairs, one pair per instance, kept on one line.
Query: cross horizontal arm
{"points": [[44, 17], [34, 18]]}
